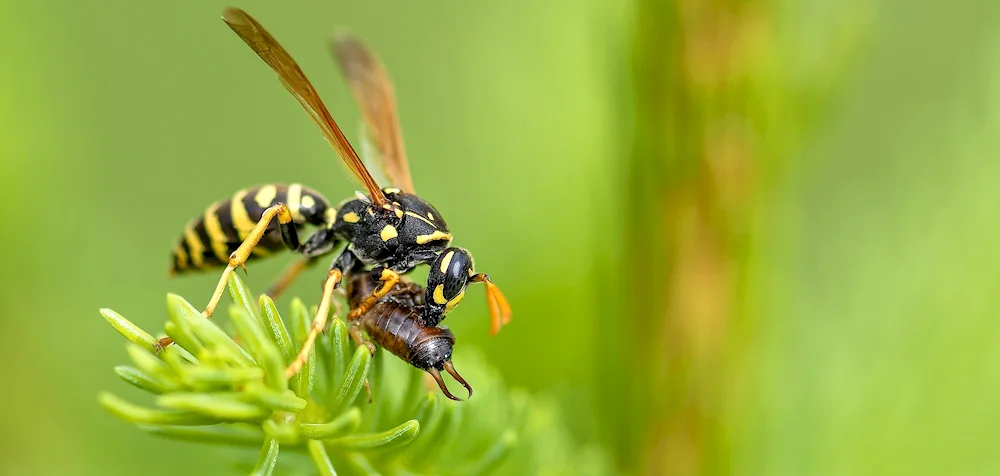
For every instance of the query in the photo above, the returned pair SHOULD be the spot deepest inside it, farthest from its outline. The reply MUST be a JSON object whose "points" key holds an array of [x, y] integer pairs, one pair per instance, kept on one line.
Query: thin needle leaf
{"points": [[436, 427], [155, 368], [182, 336], [206, 330], [260, 346], [131, 331], [322, 460], [136, 414], [283, 432], [345, 422], [267, 460], [494, 456], [208, 378], [276, 327], [360, 465], [140, 379], [390, 439], [221, 406], [301, 320], [264, 396], [227, 434], [241, 295], [355, 377], [338, 354]]}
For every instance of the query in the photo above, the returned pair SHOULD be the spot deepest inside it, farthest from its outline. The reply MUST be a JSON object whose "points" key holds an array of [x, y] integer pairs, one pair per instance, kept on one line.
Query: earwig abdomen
{"points": [[394, 324]]}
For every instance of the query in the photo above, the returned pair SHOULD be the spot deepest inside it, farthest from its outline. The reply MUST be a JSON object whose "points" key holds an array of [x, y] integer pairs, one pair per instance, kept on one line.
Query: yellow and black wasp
{"points": [[387, 232]]}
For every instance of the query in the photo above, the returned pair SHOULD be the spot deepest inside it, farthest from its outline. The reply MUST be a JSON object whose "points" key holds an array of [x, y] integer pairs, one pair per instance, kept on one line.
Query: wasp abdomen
{"points": [[209, 239]]}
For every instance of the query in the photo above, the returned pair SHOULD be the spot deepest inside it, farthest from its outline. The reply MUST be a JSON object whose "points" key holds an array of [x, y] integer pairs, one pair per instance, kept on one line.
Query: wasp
{"points": [[385, 233], [394, 323]]}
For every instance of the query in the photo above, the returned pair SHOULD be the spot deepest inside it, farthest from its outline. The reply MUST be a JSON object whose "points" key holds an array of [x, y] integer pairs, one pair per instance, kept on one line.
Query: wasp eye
{"points": [[454, 266]]}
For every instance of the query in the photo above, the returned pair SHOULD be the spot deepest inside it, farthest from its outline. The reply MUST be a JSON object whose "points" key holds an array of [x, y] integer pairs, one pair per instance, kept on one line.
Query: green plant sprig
{"points": [[215, 388]]}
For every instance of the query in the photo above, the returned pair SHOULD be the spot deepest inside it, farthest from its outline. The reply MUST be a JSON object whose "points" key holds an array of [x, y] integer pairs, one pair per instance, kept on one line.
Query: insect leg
{"points": [[239, 257], [355, 331], [318, 322], [389, 279], [345, 262]]}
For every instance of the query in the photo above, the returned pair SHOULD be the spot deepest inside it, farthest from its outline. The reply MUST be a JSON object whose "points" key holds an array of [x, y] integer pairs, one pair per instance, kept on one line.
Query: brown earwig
{"points": [[394, 324]]}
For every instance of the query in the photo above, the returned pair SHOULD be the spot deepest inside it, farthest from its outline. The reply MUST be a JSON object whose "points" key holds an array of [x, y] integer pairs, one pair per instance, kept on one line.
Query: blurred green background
{"points": [[739, 237]]}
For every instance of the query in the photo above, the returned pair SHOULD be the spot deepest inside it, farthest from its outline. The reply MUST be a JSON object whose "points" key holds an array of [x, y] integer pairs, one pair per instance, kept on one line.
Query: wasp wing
{"points": [[371, 156], [298, 85], [372, 89]]}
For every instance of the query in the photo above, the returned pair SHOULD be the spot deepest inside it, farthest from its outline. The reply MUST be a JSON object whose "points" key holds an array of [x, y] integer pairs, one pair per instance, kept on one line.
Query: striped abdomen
{"points": [[209, 239], [394, 324]]}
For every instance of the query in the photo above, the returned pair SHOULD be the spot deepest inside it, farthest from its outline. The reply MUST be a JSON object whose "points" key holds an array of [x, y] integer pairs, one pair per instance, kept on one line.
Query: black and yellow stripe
{"points": [[208, 240]]}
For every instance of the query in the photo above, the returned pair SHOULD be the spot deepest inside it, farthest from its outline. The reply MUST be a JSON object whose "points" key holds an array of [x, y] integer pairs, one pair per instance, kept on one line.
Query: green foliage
{"points": [[212, 387]]}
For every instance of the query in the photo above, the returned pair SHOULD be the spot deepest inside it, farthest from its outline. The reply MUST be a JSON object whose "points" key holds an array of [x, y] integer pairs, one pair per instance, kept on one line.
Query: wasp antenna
{"points": [[454, 373], [437, 378], [500, 312]]}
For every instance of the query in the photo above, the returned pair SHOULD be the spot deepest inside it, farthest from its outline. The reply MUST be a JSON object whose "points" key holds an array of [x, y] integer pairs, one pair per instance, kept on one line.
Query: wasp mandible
{"points": [[387, 231]]}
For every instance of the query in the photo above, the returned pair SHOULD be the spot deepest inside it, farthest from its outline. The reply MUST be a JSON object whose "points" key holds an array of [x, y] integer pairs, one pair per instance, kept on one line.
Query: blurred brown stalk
{"points": [[689, 182]]}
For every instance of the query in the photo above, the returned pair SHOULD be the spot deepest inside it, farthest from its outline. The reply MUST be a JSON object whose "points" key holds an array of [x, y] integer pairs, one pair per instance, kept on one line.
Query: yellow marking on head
{"points": [[430, 215], [215, 234], [446, 261], [399, 212], [470, 271], [194, 244], [308, 201], [437, 235], [388, 233], [266, 195], [439, 295], [182, 256], [241, 219], [454, 302], [294, 200], [371, 211], [413, 214], [351, 217], [331, 215], [391, 190]]}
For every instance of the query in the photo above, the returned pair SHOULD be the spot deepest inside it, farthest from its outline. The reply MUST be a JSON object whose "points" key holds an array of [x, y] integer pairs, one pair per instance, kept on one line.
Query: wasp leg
{"points": [[239, 257], [318, 323], [389, 279], [344, 262], [288, 276], [355, 331]]}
